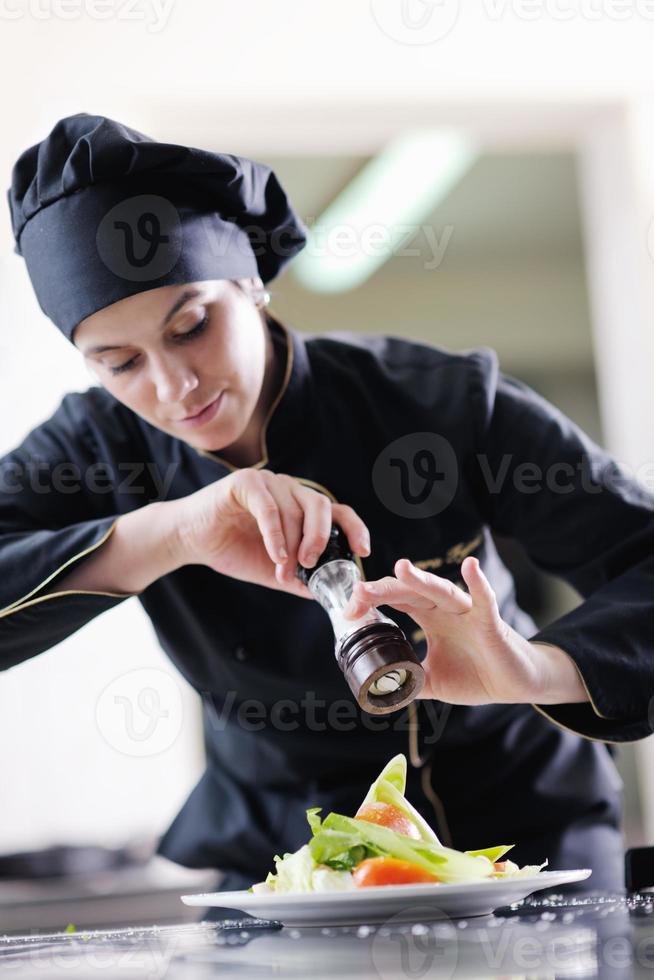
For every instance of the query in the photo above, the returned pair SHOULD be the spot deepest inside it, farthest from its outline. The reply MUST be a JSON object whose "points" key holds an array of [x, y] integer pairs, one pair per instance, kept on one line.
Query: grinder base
{"points": [[368, 654]]}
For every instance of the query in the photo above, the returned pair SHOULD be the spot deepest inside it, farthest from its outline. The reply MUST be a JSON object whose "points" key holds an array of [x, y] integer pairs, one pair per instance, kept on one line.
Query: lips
{"points": [[199, 411], [204, 414]]}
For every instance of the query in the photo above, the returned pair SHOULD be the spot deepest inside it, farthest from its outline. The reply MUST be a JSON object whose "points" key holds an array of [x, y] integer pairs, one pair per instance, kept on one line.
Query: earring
{"points": [[262, 298]]}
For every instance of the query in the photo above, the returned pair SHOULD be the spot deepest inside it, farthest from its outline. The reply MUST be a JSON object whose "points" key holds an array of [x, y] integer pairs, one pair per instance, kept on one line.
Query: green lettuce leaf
{"points": [[492, 853], [342, 842], [389, 787], [313, 819], [298, 873], [515, 871], [294, 871]]}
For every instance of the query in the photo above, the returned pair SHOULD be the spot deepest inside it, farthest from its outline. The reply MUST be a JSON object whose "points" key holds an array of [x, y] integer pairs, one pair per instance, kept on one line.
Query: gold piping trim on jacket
{"points": [[12, 607], [264, 448], [583, 681], [591, 738], [4, 613]]}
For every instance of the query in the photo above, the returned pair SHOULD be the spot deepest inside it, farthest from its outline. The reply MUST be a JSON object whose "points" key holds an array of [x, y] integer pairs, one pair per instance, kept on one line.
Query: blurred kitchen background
{"points": [[520, 152]]}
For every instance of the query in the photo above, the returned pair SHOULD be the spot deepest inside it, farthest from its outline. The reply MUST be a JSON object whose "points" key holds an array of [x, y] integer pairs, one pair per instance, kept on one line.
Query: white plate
{"points": [[377, 904]]}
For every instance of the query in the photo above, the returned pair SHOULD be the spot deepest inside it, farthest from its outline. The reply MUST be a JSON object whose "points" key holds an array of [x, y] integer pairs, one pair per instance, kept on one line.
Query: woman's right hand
{"points": [[257, 526]]}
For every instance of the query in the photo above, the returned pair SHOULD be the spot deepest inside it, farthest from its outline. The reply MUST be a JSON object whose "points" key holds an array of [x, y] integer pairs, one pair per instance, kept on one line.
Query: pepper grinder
{"points": [[379, 663]]}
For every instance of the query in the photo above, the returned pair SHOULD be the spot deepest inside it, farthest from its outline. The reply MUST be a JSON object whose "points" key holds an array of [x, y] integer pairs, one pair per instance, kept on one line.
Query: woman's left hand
{"points": [[473, 656]]}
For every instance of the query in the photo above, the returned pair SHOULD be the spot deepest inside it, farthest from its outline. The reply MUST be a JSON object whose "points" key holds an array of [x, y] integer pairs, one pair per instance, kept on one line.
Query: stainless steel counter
{"points": [[556, 936]]}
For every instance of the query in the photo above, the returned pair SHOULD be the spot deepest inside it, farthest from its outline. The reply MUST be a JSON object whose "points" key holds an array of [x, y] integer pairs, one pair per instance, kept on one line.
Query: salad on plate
{"points": [[387, 842]]}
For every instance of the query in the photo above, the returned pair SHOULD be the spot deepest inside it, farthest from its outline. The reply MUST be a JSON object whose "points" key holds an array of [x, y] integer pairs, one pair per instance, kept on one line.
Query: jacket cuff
{"points": [[613, 712], [38, 625]]}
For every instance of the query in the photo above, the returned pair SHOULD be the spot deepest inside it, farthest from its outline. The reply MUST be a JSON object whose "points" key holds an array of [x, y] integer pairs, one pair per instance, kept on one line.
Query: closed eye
{"points": [[194, 331], [181, 338], [124, 367]]}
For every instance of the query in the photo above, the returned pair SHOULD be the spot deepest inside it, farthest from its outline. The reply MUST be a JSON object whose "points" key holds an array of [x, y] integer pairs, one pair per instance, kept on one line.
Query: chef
{"points": [[213, 456]]}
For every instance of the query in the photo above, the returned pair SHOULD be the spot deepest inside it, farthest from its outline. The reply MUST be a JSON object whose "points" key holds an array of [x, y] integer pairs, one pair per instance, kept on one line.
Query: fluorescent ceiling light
{"points": [[381, 209]]}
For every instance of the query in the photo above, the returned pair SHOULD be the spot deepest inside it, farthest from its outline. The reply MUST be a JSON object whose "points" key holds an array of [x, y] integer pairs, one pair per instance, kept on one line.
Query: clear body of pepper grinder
{"points": [[379, 664]]}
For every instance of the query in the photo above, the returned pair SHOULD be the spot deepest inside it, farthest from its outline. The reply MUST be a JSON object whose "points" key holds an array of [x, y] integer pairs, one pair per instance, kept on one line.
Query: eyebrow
{"points": [[175, 308]]}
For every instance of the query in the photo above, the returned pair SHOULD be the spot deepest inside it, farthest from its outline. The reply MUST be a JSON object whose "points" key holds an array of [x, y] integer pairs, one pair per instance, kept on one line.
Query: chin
{"points": [[214, 439]]}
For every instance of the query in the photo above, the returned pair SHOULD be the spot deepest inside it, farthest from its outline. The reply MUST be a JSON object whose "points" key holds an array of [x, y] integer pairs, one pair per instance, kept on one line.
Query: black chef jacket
{"points": [[282, 730]]}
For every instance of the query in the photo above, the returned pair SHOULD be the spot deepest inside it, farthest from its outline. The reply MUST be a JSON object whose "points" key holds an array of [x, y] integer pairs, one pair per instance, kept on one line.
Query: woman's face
{"points": [[189, 359]]}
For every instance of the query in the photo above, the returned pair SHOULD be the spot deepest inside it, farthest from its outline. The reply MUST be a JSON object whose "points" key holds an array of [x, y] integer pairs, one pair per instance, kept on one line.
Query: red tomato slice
{"points": [[389, 816], [389, 871]]}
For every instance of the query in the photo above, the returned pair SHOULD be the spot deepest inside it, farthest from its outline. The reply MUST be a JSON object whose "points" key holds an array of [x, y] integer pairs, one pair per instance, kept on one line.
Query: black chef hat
{"points": [[100, 211]]}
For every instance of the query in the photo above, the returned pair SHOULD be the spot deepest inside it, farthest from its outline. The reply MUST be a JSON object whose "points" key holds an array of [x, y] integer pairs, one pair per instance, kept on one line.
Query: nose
{"points": [[173, 379]]}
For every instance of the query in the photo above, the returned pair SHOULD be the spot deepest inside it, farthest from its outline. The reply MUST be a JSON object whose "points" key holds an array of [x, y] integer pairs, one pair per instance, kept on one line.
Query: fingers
{"points": [[292, 584], [316, 526], [443, 593], [413, 587], [353, 527], [307, 516], [384, 591], [481, 591], [307, 528], [295, 520], [264, 507]]}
